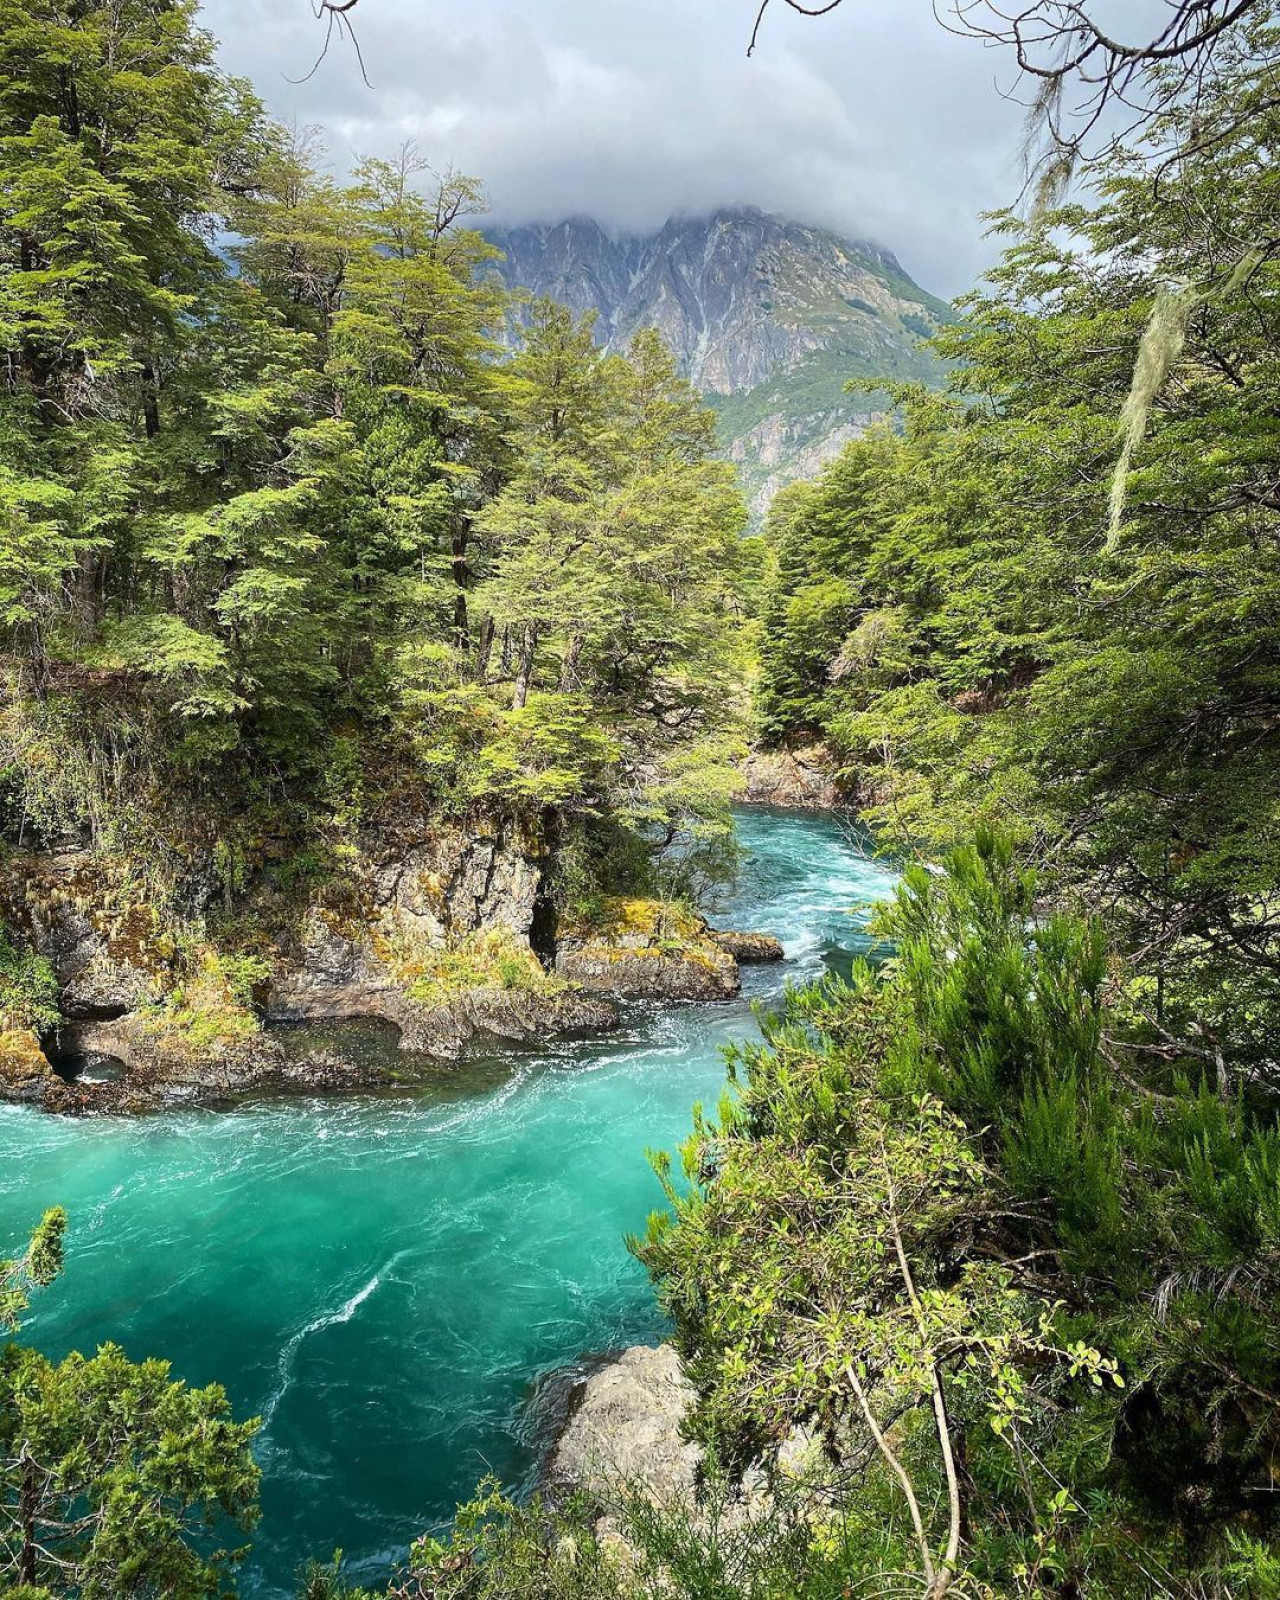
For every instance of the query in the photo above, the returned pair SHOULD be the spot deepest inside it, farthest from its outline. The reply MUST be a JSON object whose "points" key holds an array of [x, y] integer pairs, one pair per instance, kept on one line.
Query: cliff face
{"points": [[768, 318]]}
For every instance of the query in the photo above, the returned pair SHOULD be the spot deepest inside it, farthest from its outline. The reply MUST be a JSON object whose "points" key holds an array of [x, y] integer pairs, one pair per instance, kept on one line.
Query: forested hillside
{"points": [[299, 567]]}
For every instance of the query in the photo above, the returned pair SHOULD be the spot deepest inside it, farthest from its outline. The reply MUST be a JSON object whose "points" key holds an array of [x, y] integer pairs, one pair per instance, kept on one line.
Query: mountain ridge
{"points": [[767, 317]]}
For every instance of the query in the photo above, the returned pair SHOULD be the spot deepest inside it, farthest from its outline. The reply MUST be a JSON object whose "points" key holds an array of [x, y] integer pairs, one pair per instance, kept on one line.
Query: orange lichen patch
{"points": [[434, 887], [22, 1061]]}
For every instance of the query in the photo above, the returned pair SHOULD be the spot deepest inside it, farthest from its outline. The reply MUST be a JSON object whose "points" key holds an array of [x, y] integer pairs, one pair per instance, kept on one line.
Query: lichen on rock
{"points": [[647, 950]]}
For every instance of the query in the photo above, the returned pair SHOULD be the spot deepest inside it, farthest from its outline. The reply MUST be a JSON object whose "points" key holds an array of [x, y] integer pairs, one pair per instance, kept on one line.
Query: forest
{"points": [[293, 540]]}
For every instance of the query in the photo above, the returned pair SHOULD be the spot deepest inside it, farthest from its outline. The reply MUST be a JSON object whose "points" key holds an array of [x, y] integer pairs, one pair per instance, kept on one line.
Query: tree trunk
{"points": [[485, 650], [28, 1505], [524, 673], [150, 400], [569, 666], [461, 578]]}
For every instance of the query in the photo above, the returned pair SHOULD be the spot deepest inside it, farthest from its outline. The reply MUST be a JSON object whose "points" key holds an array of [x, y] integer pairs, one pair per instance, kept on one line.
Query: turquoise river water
{"points": [[386, 1280]]}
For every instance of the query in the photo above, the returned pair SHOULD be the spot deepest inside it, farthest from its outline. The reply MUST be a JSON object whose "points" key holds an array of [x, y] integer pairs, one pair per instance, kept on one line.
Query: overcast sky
{"points": [[873, 121]]}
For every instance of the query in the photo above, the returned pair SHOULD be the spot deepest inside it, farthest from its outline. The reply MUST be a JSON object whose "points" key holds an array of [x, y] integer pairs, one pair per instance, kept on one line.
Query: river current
{"points": [[387, 1280]]}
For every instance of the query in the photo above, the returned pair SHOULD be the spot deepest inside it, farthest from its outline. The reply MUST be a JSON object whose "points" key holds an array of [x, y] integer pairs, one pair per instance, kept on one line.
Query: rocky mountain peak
{"points": [[768, 317]]}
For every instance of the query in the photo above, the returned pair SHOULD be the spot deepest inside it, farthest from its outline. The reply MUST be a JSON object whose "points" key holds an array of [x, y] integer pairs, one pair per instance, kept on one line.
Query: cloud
{"points": [[873, 121]]}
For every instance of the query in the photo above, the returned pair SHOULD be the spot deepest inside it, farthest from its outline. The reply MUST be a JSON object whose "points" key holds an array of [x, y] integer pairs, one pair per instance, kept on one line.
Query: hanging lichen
{"points": [[1163, 341]]}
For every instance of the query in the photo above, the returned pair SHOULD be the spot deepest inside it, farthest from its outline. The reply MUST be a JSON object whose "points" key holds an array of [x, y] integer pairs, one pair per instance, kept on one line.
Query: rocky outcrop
{"points": [[25, 1072], [107, 960], [445, 932], [623, 1436], [749, 949], [646, 950], [799, 778], [624, 1425]]}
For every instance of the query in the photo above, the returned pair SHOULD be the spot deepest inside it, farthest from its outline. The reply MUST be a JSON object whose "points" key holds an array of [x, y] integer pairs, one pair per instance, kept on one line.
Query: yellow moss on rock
{"points": [[211, 1010], [621, 917], [22, 1061], [490, 959]]}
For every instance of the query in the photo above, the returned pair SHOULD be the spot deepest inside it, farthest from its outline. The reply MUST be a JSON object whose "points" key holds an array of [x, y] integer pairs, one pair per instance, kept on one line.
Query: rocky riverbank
{"points": [[443, 932], [623, 1437], [802, 777]]}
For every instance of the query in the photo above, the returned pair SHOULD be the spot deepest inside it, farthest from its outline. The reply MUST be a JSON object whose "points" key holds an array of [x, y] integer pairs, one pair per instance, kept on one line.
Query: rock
{"points": [[517, 1015], [644, 950], [104, 957], [420, 899], [432, 882], [796, 779], [625, 1425], [749, 949], [421, 887], [623, 1435], [159, 1060], [651, 974], [25, 1072]]}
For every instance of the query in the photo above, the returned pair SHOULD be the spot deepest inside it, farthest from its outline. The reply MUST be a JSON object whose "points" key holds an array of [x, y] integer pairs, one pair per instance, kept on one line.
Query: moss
{"points": [[433, 975], [622, 928], [22, 1061], [211, 1009], [28, 989], [611, 918]]}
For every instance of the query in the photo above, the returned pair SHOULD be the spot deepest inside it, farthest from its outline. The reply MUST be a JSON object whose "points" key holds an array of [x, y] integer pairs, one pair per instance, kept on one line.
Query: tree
{"points": [[959, 1224], [1008, 653], [614, 561], [113, 1478]]}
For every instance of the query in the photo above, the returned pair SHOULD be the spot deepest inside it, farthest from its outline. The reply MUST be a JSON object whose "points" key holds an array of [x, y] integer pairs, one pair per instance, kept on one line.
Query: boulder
{"points": [[646, 950], [622, 1436], [750, 949], [625, 1426], [25, 1072]]}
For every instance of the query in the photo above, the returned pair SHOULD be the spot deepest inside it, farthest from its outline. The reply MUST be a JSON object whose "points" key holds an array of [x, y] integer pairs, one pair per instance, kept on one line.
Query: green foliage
{"points": [[28, 988], [109, 1468], [36, 1268], [287, 538], [114, 1479], [957, 609], [1017, 1272], [493, 959], [497, 1548], [211, 1005]]}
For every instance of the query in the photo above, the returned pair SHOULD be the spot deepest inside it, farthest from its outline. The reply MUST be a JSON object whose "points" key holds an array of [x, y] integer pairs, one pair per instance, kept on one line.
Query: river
{"points": [[384, 1280]]}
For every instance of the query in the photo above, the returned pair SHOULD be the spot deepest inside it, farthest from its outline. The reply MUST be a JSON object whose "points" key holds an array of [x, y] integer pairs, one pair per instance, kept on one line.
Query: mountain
{"points": [[769, 319]]}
